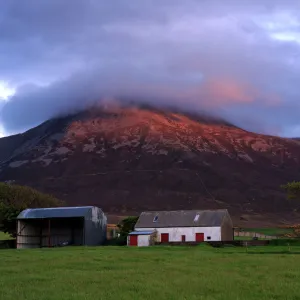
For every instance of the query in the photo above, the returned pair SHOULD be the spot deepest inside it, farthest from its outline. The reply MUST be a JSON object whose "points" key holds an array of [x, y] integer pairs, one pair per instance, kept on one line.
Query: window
{"points": [[208, 237], [196, 218], [155, 218]]}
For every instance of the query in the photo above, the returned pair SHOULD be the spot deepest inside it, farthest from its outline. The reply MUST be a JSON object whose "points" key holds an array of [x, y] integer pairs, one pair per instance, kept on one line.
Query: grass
{"points": [[269, 231], [243, 238], [247, 238], [150, 273]]}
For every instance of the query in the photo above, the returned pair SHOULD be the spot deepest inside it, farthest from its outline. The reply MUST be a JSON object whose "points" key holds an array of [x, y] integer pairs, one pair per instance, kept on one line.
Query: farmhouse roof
{"points": [[181, 218], [56, 212], [144, 232]]}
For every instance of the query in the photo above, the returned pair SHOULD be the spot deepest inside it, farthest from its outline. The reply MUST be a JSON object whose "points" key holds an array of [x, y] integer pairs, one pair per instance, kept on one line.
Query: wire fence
{"points": [[250, 234]]}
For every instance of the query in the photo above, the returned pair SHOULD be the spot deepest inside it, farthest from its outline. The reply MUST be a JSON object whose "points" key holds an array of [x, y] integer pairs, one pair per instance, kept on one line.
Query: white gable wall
{"points": [[175, 233], [143, 240]]}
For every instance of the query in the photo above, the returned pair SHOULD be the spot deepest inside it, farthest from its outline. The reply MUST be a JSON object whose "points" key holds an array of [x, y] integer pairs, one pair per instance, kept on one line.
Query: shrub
{"points": [[285, 242], [16, 198], [127, 225]]}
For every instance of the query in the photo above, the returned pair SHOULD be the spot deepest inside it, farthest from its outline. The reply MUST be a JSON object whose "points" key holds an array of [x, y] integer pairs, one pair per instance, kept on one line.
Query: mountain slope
{"points": [[128, 159]]}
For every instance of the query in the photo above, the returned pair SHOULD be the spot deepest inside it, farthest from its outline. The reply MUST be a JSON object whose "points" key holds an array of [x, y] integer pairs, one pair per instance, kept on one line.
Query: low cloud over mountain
{"points": [[236, 59]]}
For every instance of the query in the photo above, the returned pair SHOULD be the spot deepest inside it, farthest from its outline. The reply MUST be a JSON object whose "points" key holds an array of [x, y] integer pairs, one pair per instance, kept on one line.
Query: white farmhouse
{"points": [[182, 226]]}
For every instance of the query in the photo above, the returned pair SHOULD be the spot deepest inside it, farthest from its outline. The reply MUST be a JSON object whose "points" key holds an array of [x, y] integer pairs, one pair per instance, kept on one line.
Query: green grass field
{"points": [[121, 273], [270, 231], [243, 238]]}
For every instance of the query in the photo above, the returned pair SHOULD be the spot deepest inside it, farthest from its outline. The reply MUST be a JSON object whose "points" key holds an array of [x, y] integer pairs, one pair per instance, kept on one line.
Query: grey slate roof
{"points": [[148, 232], [56, 212], [182, 218]]}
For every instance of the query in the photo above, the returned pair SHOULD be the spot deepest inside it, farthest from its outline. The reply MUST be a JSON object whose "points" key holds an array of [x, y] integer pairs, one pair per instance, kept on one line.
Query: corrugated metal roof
{"points": [[181, 218], [55, 212], [141, 232]]}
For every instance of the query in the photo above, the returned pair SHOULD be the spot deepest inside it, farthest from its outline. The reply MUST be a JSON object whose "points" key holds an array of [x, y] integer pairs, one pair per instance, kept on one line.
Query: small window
{"points": [[155, 218], [208, 237], [196, 218]]}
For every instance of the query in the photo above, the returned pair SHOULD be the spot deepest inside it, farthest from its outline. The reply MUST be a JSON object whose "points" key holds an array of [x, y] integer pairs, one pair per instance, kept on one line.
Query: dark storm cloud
{"points": [[237, 58]]}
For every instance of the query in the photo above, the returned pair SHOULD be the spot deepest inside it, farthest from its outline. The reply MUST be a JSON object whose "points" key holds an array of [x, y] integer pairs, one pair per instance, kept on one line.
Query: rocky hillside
{"points": [[128, 159]]}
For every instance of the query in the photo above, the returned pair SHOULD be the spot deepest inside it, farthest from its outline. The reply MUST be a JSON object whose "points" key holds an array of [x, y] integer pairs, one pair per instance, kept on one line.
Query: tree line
{"points": [[15, 198], [292, 189]]}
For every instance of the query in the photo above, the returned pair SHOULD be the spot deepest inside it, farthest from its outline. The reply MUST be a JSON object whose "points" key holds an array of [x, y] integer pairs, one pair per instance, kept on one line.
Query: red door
{"points": [[183, 238], [199, 237], [133, 240], [164, 237]]}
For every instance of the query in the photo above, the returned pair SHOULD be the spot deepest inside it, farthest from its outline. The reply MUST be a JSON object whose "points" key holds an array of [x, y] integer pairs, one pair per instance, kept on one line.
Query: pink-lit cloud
{"points": [[238, 59]]}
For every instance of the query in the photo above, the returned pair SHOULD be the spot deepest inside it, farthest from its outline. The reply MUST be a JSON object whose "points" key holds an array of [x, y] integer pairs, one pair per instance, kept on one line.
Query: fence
{"points": [[240, 243], [254, 234]]}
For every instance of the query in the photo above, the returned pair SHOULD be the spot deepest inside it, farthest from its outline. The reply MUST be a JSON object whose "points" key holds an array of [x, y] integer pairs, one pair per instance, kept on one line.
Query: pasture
{"points": [[199, 272], [270, 231]]}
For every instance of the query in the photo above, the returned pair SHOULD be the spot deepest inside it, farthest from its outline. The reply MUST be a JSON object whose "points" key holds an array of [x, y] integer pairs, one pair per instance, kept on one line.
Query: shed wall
{"points": [[144, 240], [28, 235], [227, 229], [175, 233], [61, 235], [95, 227]]}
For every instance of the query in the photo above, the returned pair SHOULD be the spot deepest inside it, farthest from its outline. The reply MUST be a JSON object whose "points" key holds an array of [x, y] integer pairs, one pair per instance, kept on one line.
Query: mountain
{"points": [[131, 158]]}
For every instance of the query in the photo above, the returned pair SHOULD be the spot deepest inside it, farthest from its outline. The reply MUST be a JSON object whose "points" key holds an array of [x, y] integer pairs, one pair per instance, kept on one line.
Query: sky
{"points": [[237, 59]]}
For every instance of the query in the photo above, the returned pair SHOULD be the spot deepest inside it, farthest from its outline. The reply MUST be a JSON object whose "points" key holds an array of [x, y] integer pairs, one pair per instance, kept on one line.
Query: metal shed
{"points": [[140, 238], [51, 227]]}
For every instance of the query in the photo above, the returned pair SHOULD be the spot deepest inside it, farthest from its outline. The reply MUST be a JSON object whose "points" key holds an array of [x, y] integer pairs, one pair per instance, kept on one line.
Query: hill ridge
{"points": [[241, 170]]}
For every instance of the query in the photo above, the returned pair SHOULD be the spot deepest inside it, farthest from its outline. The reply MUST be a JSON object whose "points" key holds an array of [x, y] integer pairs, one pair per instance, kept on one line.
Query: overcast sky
{"points": [[239, 59]]}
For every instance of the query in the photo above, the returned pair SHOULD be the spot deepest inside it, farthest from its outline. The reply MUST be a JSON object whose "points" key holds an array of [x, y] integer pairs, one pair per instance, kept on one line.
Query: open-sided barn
{"points": [[50, 227], [182, 226]]}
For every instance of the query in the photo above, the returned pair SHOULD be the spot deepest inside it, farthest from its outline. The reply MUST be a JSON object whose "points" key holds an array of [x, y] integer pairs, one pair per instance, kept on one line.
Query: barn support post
{"points": [[72, 235], [83, 232], [41, 233], [49, 231]]}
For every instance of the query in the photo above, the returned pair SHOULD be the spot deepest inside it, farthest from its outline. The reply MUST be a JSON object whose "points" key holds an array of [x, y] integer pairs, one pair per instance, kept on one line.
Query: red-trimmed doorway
{"points": [[164, 237], [133, 240], [199, 237]]}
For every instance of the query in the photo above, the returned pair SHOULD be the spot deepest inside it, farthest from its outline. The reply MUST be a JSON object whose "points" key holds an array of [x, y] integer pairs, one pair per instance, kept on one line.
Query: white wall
{"points": [[143, 240], [175, 233]]}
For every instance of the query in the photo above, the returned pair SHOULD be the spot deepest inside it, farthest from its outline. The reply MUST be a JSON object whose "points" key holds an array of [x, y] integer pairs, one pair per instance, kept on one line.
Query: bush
{"points": [[127, 225], [16, 198], [120, 241], [285, 242]]}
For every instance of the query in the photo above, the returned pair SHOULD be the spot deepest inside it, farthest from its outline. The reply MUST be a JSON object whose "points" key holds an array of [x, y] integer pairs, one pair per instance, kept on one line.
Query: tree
{"points": [[16, 198], [292, 189], [126, 226], [293, 192]]}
